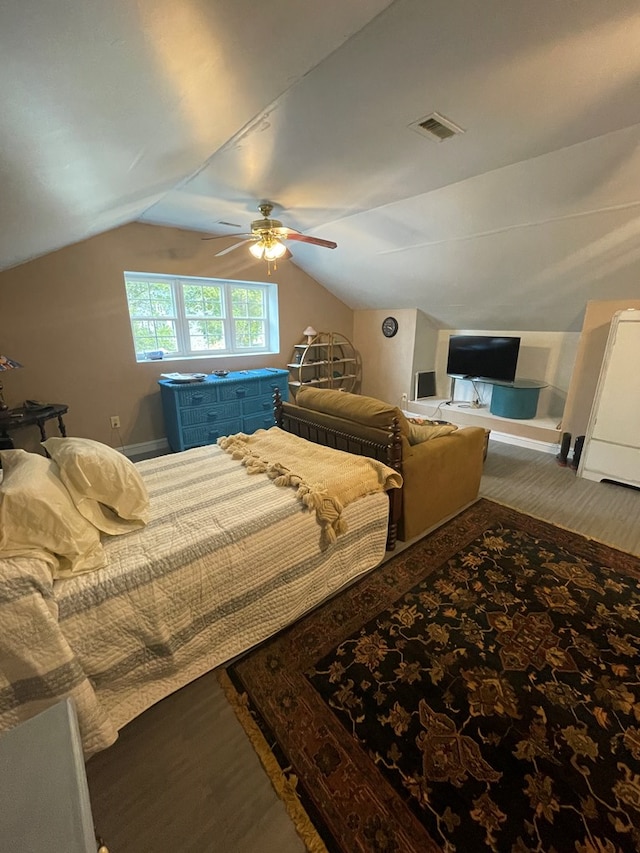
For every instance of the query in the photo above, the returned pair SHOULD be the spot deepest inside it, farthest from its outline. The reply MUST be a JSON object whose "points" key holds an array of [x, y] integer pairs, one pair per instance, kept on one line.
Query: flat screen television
{"points": [[483, 357]]}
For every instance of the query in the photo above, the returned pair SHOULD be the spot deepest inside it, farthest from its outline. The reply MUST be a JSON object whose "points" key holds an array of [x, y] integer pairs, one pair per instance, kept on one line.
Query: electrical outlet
{"points": [[115, 421], [404, 398]]}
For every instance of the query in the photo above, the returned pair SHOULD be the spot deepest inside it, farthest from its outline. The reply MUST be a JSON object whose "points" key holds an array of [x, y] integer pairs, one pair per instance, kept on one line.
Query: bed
{"points": [[226, 559]]}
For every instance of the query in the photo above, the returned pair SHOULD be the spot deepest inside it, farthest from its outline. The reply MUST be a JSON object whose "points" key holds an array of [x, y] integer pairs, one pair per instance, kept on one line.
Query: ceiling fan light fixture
{"points": [[274, 250], [257, 249], [267, 239]]}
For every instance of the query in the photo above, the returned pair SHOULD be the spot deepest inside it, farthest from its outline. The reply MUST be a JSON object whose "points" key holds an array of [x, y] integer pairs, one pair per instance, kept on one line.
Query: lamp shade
{"points": [[275, 250], [268, 248], [7, 363]]}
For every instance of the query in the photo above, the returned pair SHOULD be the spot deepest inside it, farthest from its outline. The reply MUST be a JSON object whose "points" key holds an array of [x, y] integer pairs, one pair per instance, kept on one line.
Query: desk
{"points": [[21, 417]]}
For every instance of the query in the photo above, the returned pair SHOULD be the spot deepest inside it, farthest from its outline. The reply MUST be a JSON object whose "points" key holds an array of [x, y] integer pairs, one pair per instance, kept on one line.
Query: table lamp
{"points": [[6, 363]]}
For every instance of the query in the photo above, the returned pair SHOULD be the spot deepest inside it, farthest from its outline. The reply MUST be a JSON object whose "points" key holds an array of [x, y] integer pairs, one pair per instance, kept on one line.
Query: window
{"points": [[188, 317]]}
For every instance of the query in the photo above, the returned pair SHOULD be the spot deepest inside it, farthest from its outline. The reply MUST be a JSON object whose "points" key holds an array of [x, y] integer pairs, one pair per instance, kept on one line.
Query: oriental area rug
{"points": [[480, 691]]}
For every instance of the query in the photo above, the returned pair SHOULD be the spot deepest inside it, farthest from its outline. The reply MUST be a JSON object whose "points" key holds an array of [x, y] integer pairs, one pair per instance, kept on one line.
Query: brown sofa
{"points": [[441, 466]]}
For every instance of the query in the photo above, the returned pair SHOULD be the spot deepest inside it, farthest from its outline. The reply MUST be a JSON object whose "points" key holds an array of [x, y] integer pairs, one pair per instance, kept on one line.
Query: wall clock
{"points": [[389, 327]]}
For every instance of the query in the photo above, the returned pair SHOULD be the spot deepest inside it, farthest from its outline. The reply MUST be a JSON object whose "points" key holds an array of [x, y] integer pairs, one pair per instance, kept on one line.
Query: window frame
{"points": [[269, 291]]}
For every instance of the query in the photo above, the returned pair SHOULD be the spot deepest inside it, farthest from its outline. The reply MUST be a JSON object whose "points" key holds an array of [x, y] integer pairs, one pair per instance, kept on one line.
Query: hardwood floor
{"points": [[183, 778], [534, 483]]}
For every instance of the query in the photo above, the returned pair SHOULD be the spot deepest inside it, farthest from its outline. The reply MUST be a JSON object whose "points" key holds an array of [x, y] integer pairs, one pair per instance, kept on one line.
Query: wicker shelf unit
{"points": [[328, 360]]}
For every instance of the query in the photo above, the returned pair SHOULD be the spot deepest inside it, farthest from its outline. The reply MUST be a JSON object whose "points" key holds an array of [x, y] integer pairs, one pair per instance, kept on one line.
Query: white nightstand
{"points": [[44, 798]]}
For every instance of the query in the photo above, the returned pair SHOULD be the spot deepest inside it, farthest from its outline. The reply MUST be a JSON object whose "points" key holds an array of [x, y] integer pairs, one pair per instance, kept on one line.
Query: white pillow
{"points": [[105, 486], [37, 514], [420, 430]]}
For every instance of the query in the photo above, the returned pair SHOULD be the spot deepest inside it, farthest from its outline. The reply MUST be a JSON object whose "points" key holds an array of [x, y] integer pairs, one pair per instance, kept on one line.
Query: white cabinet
{"points": [[44, 797], [612, 442]]}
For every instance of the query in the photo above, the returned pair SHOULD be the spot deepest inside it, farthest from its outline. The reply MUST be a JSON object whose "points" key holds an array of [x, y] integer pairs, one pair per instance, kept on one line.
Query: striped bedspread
{"points": [[226, 561]]}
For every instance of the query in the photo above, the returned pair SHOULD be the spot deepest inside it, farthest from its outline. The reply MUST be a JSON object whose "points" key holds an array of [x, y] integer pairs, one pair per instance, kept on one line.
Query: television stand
{"points": [[540, 433], [514, 421], [517, 399]]}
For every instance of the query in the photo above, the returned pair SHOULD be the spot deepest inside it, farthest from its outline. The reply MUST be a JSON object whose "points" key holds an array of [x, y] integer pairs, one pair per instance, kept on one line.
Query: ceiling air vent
{"points": [[436, 127]]}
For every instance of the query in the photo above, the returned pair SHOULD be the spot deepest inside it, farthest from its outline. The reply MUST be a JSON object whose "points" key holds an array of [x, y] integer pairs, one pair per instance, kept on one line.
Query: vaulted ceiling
{"points": [[191, 112]]}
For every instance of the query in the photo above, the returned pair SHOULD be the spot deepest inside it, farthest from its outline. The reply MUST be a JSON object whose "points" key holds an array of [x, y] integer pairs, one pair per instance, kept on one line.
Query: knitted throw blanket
{"points": [[325, 480]]}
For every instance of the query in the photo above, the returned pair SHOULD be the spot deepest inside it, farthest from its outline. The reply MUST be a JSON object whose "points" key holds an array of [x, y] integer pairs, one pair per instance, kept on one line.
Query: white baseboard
{"points": [[156, 447], [160, 445], [521, 441]]}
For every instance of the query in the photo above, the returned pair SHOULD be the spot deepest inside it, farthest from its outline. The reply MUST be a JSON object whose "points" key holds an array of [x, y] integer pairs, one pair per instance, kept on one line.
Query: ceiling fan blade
{"points": [[232, 248], [303, 238], [225, 236]]}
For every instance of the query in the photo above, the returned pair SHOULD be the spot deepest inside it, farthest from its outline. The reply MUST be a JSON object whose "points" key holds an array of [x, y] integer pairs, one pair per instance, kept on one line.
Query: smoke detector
{"points": [[436, 127]]}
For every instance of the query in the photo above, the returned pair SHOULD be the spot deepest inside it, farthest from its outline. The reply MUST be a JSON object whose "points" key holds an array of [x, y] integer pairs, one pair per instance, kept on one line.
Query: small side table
{"points": [[44, 796], [22, 417], [518, 399]]}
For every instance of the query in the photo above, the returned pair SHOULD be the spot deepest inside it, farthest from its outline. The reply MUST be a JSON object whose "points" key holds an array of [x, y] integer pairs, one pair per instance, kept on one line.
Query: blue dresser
{"points": [[199, 413]]}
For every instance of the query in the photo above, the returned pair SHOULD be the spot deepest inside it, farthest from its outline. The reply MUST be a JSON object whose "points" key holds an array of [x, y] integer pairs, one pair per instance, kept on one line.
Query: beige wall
{"points": [[545, 356], [593, 341], [64, 317], [389, 364]]}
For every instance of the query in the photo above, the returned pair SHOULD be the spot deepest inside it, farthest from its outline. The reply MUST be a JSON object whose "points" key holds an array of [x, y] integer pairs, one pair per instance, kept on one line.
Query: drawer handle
{"points": [[212, 416], [196, 399], [266, 404], [241, 392]]}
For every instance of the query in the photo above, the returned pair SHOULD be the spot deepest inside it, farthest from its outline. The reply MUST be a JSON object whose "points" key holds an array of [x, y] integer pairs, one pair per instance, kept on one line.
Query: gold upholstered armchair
{"points": [[441, 465]]}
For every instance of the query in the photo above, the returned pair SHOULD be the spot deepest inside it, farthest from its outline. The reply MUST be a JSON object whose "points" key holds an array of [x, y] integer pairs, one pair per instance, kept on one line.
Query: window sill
{"points": [[204, 357]]}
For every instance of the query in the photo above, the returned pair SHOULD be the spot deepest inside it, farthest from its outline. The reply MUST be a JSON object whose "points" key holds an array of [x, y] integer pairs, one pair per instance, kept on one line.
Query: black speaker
{"points": [[565, 444], [425, 385], [577, 451]]}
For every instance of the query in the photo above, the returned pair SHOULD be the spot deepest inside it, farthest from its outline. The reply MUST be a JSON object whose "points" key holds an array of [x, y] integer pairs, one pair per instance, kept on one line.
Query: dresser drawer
{"points": [[270, 383], [239, 390], [259, 421], [254, 405], [209, 433], [210, 414], [607, 461], [200, 395]]}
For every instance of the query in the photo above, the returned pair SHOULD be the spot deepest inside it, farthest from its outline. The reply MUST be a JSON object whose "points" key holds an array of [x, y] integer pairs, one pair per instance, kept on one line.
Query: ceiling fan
{"points": [[267, 237]]}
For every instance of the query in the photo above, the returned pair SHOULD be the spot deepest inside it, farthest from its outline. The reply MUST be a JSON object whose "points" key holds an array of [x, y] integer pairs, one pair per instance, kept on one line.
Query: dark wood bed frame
{"points": [[300, 422]]}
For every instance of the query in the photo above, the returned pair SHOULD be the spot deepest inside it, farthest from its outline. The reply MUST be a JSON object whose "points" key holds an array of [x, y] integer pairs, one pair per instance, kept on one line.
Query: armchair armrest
{"points": [[441, 477]]}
